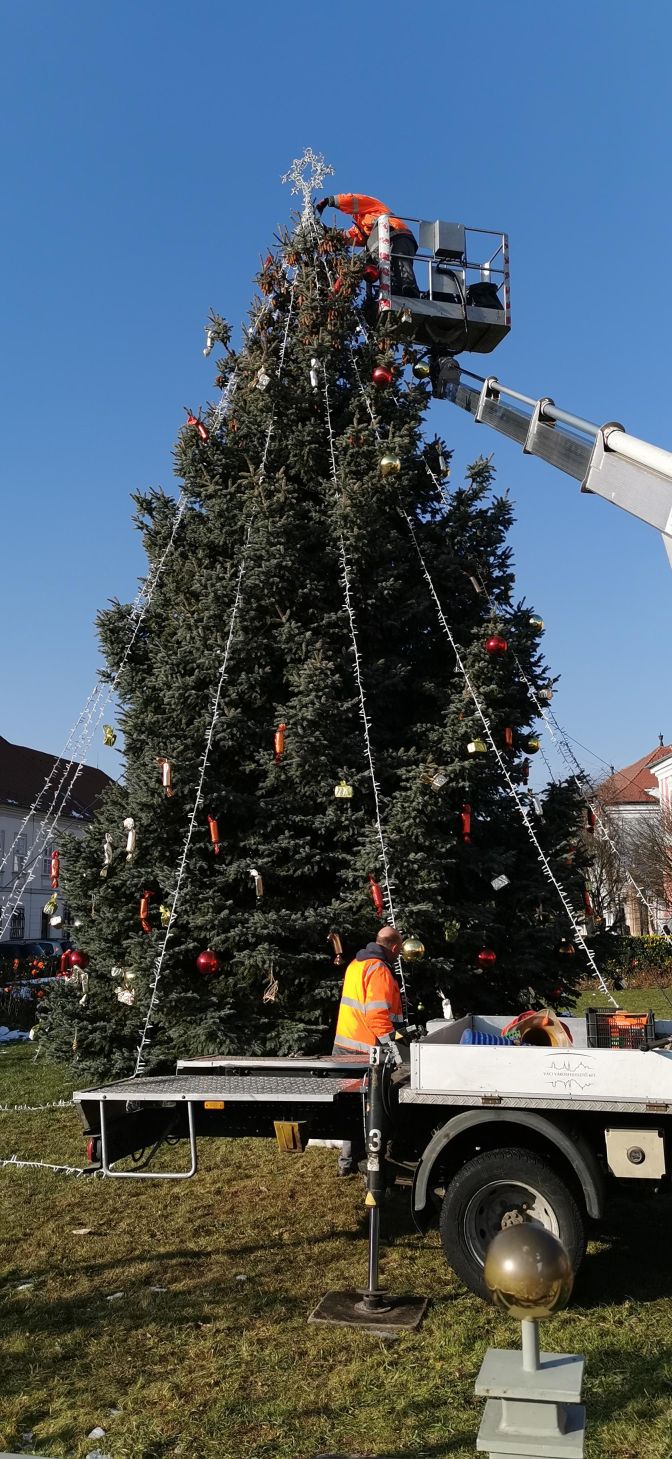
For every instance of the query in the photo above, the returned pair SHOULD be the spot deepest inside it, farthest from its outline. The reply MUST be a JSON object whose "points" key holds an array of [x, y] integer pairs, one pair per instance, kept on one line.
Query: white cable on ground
{"points": [[25, 1109], [45, 1165]]}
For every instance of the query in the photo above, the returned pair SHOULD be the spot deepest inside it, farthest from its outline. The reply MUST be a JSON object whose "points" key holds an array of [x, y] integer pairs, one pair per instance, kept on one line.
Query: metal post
{"points": [[376, 1138], [385, 287], [529, 1329]]}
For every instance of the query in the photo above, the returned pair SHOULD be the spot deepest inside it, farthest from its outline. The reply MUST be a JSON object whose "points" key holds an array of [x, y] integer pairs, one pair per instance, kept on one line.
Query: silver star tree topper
{"points": [[318, 169]]}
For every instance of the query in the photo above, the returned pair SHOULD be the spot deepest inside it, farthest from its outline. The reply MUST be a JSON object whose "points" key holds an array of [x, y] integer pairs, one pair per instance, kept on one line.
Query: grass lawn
{"points": [[174, 1315]]}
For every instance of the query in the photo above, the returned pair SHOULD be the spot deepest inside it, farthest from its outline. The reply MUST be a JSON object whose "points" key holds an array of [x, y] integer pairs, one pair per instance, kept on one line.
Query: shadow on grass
{"points": [[633, 1259], [619, 1380]]}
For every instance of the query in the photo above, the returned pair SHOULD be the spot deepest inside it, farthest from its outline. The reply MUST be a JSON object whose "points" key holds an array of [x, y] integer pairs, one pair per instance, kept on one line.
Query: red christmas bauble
{"points": [[207, 962], [382, 376], [371, 273], [487, 958], [496, 644], [78, 959]]}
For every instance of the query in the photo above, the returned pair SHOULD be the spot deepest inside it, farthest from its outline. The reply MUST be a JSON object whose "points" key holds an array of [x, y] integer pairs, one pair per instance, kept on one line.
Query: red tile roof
{"points": [[24, 772], [634, 784]]}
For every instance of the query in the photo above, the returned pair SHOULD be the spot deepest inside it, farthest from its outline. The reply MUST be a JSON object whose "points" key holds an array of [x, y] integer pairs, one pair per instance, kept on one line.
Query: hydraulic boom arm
{"points": [[632, 474]]}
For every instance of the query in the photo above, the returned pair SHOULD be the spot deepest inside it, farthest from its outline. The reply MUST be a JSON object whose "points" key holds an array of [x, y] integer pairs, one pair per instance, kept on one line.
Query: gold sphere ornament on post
{"points": [[390, 465], [412, 949], [528, 1272]]}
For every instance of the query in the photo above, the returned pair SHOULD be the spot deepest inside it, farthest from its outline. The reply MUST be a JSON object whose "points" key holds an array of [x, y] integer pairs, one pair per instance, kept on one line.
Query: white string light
{"points": [[562, 745], [145, 1040], [34, 808], [44, 1165], [198, 800], [345, 580], [511, 787], [25, 1109], [49, 822], [510, 784]]}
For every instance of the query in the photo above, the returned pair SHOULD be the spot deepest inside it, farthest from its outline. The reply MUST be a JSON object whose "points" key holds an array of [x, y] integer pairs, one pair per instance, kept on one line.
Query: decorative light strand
{"points": [[25, 1109], [145, 1040], [198, 800], [143, 600], [345, 580], [511, 786], [577, 775], [44, 1165], [34, 808]]}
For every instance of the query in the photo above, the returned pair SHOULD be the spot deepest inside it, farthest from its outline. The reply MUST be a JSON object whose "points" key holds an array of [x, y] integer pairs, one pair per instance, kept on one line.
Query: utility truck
{"points": [[483, 1134]]}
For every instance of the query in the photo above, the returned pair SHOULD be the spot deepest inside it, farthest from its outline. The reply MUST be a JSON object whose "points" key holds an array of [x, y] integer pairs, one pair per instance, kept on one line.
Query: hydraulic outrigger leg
{"points": [[373, 1309]]}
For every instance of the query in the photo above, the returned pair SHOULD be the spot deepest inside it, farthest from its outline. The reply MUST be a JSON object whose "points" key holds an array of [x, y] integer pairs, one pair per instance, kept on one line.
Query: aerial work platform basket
{"points": [[463, 280]]}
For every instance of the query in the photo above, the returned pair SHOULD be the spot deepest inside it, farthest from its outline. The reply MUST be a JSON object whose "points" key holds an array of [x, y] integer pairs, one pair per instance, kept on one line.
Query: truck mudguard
{"points": [[574, 1147]]}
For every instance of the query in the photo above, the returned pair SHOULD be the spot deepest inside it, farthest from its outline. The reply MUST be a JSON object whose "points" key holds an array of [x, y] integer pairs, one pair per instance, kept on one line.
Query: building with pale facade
{"points": [[29, 781], [637, 801]]}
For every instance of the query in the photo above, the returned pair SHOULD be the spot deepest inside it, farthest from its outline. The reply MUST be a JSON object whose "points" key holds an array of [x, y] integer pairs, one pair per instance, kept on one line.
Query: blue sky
{"points": [[144, 144]]}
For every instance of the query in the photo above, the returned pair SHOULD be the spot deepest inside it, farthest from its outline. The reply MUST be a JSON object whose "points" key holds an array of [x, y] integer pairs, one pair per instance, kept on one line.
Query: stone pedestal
{"points": [[531, 1413]]}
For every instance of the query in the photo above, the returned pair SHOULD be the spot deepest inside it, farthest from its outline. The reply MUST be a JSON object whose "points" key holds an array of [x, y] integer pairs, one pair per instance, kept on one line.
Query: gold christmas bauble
{"points": [[421, 370], [390, 464], [528, 1272], [536, 623], [533, 744], [412, 949], [343, 791]]}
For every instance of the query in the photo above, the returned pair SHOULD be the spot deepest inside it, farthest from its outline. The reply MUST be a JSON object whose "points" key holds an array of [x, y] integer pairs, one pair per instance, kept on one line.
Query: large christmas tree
{"points": [[299, 729]]}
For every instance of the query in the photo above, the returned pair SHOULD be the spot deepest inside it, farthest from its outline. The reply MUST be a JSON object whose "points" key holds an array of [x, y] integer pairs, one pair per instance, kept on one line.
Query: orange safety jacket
{"points": [[370, 1002], [366, 212]]}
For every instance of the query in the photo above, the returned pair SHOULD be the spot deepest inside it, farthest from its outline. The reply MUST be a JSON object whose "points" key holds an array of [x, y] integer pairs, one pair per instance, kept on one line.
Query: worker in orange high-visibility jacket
{"points": [[370, 1011], [365, 212]]}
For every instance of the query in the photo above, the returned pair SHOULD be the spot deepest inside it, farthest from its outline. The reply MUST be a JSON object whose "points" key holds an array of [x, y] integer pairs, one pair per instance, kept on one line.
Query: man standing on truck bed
{"points": [[370, 1011]]}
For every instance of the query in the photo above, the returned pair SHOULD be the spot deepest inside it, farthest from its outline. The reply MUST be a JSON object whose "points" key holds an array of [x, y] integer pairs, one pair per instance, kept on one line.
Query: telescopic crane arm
{"points": [[608, 462]]}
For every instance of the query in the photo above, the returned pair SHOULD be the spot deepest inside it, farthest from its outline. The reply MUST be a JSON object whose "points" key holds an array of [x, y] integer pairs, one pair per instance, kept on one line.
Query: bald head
{"points": [[390, 939]]}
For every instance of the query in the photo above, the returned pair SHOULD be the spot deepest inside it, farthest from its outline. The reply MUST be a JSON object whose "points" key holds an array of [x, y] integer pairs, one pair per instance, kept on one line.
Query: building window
{"points": [[20, 849], [17, 926], [46, 860]]}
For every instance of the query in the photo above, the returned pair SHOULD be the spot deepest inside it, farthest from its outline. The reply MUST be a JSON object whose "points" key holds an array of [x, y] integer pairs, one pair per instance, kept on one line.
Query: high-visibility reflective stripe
{"points": [[346, 1045], [364, 1007]]}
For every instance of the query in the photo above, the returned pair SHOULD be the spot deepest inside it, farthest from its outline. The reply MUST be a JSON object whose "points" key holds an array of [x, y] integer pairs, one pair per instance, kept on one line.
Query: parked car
{"points": [[29, 952]]}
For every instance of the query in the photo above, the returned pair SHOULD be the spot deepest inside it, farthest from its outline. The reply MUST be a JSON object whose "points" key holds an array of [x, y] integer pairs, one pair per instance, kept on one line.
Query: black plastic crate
{"points": [[617, 1030]]}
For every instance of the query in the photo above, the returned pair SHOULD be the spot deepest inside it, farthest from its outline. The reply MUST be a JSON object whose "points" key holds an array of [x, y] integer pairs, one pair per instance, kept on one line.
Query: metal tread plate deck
{"points": [[192, 1088], [534, 1101]]}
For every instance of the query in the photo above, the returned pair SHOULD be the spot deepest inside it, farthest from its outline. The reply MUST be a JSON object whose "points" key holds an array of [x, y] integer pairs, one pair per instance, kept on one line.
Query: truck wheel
{"points": [[501, 1188]]}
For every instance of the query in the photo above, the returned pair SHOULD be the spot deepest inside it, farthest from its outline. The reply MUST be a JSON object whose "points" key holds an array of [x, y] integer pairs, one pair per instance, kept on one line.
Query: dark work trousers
{"points": [[403, 249]]}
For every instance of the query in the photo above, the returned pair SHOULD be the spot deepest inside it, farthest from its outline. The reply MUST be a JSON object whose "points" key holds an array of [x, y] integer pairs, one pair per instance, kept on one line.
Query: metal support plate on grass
{"points": [[344, 1309]]}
